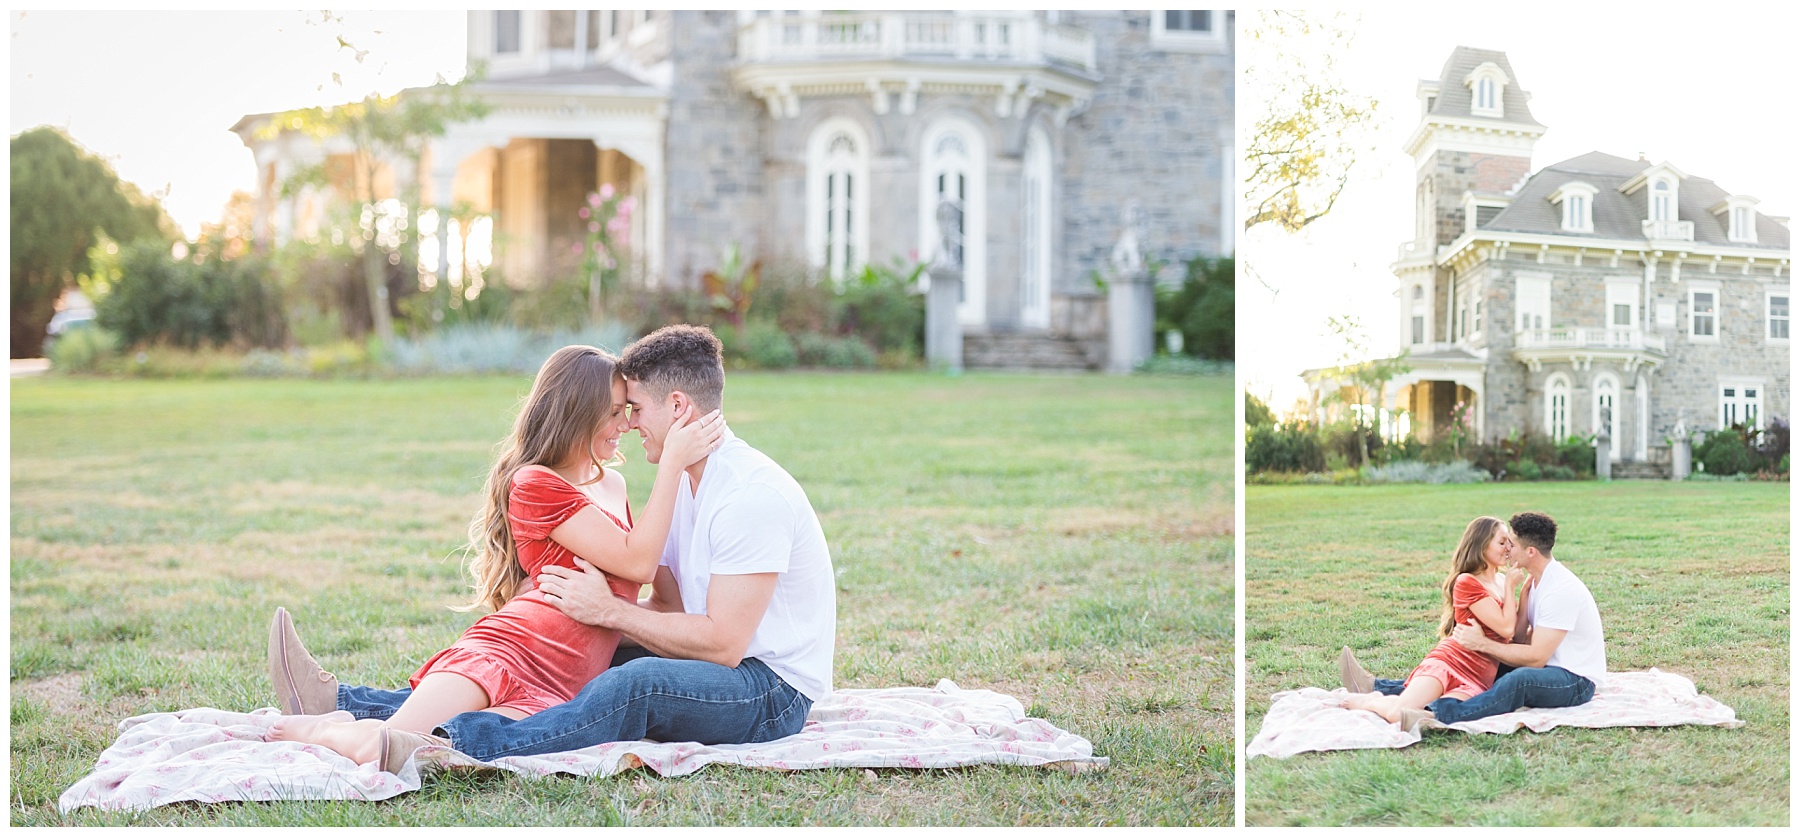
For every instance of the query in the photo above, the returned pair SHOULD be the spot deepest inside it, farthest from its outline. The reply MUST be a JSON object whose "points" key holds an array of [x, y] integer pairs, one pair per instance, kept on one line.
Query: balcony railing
{"points": [[851, 36], [1669, 230], [1411, 250], [1590, 338]]}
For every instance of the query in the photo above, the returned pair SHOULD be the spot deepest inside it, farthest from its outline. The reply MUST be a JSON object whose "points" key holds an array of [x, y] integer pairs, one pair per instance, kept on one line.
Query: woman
{"points": [[549, 498], [1481, 588]]}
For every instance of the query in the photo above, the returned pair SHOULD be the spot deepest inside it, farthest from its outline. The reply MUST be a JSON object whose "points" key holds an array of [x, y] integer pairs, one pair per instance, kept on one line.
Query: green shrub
{"points": [[761, 345], [1576, 453], [883, 306], [151, 297], [1560, 472], [1426, 472], [1256, 413], [833, 352], [1283, 447], [83, 349], [1523, 469], [1203, 308], [1726, 452]]}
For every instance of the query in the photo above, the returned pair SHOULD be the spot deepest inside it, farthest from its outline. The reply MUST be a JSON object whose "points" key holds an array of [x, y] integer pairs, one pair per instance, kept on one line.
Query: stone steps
{"points": [[1031, 351], [1639, 471]]}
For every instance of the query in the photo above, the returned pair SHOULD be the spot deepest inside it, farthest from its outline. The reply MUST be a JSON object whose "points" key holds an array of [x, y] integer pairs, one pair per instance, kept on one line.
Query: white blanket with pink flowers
{"points": [[1314, 720], [210, 755]]}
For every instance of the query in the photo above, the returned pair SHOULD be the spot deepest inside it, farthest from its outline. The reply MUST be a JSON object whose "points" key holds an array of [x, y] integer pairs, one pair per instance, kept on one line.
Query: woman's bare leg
{"points": [[439, 697], [1417, 695]]}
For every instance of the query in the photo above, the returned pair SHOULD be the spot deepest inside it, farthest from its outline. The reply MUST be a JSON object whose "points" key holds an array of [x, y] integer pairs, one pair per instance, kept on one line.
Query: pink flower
{"points": [[594, 200], [628, 204], [618, 227], [577, 249], [583, 213], [606, 192], [593, 226]]}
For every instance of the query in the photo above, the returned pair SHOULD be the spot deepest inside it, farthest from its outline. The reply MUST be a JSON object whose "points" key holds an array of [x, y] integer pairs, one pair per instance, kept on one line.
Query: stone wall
{"points": [[1152, 135], [1456, 172], [715, 177]]}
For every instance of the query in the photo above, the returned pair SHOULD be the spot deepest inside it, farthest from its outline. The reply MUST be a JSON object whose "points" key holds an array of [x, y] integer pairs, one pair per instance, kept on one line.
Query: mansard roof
{"points": [[597, 76], [1454, 98], [1621, 216]]}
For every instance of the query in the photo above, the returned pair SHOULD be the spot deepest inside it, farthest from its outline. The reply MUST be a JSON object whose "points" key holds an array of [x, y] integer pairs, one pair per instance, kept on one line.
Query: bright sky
{"points": [[156, 93], [1708, 90]]}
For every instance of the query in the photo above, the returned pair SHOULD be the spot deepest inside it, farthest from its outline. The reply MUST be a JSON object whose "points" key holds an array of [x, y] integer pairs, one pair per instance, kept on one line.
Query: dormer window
{"points": [[1739, 213], [506, 31], [1662, 201], [1487, 90], [1577, 201]]}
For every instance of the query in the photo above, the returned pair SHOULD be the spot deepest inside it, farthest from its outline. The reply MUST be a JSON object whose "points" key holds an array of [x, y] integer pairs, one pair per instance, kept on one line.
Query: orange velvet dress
{"points": [[527, 655], [1458, 668]]}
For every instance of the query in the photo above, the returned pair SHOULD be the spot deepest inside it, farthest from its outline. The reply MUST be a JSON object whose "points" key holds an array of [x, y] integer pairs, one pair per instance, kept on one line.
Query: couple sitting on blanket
{"points": [[733, 646], [1519, 630]]}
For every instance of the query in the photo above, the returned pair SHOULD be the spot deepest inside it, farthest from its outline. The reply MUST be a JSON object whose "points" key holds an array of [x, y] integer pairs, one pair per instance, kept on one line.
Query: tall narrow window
{"points": [[1484, 96], [953, 207], [1606, 417], [837, 175], [506, 31], [1418, 329], [1702, 314], [1556, 407], [1778, 316], [1035, 238], [1662, 204]]}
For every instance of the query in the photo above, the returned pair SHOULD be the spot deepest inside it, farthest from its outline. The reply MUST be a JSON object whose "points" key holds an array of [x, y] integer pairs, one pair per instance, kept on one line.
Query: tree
{"points": [[1307, 139], [63, 198], [383, 130], [1362, 381]]}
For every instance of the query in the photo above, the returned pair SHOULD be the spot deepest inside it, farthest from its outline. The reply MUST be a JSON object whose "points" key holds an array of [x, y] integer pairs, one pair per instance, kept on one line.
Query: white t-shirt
{"points": [[751, 517], [1561, 602]]}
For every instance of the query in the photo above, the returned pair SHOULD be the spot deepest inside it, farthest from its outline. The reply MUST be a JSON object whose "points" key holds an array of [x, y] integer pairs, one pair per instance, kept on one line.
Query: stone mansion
{"points": [[831, 138], [1596, 294]]}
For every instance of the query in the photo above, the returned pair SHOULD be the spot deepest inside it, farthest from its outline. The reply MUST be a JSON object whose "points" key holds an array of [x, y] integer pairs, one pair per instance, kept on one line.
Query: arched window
{"points": [[1556, 407], [1035, 223], [1606, 410], [954, 172], [837, 206], [1662, 202], [1484, 95]]}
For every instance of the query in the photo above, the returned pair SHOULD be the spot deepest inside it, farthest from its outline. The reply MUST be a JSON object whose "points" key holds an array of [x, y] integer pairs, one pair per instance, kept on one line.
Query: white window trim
{"points": [[818, 147], [1617, 393], [1769, 316], [1489, 72], [1629, 291], [973, 311], [1740, 384], [1520, 281], [1179, 40], [1576, 216], [1674, 208], [1037, 245], [1718, 310], [1728, 209], [1550, 393]]}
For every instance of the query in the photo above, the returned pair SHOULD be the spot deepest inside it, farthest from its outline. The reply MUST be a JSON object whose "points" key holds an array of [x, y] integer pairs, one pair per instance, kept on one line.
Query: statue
{"points": [[950, 235], [1127, 257]]}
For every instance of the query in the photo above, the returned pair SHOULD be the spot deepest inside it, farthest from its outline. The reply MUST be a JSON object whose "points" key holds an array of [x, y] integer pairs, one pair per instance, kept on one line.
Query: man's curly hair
{"points": [[687, 358], [1534, 529]]}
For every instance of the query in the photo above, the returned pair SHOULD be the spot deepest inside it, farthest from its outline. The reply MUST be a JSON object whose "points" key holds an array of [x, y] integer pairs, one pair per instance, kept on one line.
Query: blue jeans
{"points": [[1550, 687], [641, 696]]}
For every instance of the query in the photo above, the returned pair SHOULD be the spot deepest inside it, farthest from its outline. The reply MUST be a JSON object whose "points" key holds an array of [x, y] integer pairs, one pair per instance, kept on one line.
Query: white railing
{"points": [[1414, 250], [1590, 338], [1669, 230], [896, 35]]}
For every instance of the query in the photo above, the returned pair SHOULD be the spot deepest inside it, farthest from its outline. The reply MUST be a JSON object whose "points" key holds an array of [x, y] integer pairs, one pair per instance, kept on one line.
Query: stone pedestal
{"points": [[1130, 320], [943, 330], [1603, 457], [1681, 452]]}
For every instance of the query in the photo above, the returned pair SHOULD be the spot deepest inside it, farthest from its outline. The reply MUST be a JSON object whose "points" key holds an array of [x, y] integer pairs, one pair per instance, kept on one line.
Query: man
{"points": [[1557, 661], [733, 646]]}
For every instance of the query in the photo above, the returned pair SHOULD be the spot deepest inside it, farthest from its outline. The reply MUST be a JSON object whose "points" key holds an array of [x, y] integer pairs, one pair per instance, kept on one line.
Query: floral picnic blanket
{"points": [[210, 755], [1314, 720]]}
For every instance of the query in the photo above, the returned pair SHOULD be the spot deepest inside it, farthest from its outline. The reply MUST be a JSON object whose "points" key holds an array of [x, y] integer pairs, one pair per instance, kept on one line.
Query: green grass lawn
{"points": [[1065, 540], [1690, 578]]}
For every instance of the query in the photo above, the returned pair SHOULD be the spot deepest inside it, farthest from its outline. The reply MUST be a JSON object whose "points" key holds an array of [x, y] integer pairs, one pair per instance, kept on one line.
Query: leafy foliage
{"points": [[63, 200], [1293, 447], [1203, 308], [1304, 145], [152, 297], [1256, 413]]}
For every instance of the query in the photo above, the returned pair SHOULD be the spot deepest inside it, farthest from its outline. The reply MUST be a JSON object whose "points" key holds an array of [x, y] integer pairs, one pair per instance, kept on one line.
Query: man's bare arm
{"points": [[1529, 655], [735, 605]]}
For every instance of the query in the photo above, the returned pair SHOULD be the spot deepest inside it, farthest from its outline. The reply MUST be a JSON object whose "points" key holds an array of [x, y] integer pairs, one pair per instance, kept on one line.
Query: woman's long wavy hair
{"points": [[1475, 540], [570, 399]]}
